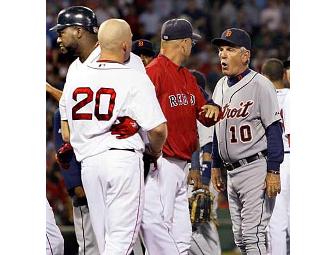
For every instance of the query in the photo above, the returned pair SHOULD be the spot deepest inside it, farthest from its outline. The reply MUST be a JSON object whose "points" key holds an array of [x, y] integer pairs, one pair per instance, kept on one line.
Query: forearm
{"points": [[55, 93], [65, 131], [195, 160], [157, 137]]}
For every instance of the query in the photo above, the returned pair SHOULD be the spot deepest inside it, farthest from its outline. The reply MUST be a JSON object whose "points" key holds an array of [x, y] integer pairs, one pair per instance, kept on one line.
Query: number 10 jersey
{"points": [[249, 107]]}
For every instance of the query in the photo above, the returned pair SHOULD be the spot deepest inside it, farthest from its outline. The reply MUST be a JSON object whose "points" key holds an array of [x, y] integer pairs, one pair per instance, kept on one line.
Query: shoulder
{"points": [[219, 84], [263, 81]]}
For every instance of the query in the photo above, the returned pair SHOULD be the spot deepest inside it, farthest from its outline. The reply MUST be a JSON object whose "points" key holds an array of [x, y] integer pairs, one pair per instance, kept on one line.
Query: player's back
{"points": [[96, 96]]}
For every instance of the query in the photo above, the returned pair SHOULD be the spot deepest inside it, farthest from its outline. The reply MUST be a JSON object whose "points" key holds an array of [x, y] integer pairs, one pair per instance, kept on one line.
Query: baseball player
{"points": [[54, 238], [77, 35], [87, 244], [248, 140], [95, 98], [166, 225], [205, 238], [144, 49], [273, 69]]}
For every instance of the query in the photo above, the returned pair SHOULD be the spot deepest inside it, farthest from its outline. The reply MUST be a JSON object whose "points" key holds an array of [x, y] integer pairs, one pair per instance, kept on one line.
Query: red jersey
{"points": [[181, 101]]}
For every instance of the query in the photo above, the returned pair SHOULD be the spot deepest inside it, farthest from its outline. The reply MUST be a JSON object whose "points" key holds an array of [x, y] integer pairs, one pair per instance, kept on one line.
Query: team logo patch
{"points": [[141, 43], [228, 33]]}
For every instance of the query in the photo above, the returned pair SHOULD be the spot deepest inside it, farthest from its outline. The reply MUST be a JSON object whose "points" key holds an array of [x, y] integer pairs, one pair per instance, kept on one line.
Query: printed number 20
{"points": [[89, 98], [245, 134]]}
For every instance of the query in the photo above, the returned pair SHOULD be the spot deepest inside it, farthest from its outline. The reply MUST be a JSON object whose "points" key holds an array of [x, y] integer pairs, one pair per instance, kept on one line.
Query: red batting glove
{"points": [[125, 128], [64, 155]]}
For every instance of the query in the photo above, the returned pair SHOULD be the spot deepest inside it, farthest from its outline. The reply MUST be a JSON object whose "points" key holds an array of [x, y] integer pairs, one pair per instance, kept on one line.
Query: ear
{"points": [[124, 46], [80, 32], [246, 56]]}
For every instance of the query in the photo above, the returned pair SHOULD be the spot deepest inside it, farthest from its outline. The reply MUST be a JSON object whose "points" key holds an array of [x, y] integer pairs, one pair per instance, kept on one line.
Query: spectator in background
{"points": [[144, 49], [197, 16], [271, 16], [287, 73], [150, 21]]}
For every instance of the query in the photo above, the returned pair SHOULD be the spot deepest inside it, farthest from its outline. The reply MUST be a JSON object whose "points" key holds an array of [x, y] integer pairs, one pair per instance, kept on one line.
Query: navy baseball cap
{"points": [[233, 37], [143, 46], [174, 29]]}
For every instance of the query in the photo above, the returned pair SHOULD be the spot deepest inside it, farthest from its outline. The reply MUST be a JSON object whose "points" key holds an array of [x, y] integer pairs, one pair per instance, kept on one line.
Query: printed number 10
{"points": [[245, 134]]}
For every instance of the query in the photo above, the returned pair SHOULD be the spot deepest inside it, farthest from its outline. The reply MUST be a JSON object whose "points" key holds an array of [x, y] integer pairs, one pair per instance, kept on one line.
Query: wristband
{"points": [[273, 172]]}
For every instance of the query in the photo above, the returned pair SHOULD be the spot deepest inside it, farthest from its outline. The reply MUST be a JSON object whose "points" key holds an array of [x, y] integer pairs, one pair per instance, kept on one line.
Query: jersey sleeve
{"points": [[145, 107], [268, 103], [62, 108], [155, 77], [286, 115]]}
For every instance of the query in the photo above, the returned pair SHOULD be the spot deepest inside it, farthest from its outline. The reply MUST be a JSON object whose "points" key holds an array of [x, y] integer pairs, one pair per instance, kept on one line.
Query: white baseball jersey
{"points": [[249, 106], [205, 134], [96, 96], [283, 99], [134, 62]]}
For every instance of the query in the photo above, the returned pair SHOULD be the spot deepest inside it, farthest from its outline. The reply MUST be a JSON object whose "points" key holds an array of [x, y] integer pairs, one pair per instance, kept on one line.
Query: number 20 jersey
{"points": [[96, 95], [249, 107]]}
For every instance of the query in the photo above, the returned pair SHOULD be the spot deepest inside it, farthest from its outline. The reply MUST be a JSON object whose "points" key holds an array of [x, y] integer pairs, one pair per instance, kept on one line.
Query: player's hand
{"points": [[125, 128], [150, 156], [64, 155], [217, 181], [272, 185], [210, 111], [194, 178], [79, 192]]}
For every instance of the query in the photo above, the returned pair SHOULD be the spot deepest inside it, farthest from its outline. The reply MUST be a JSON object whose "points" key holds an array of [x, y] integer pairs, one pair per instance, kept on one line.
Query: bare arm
{"points": [[157, 137], [55, 93], [65, 131]]}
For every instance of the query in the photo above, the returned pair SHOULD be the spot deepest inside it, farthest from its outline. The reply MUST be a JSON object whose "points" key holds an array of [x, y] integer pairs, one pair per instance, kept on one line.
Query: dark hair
{"points": [[273, 68]]}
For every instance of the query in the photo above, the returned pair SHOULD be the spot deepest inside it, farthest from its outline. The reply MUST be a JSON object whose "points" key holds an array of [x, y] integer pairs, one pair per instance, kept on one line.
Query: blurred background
{"points": [[267, 21]]}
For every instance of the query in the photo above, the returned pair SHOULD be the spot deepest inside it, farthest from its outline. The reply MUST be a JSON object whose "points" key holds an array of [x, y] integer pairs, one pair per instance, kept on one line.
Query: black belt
{"points": [[244, 161], [287, 152], [131, 150]]}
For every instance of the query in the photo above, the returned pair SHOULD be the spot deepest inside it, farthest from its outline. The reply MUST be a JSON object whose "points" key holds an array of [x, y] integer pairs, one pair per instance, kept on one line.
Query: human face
{"points": [[233, 59], [186, 45], [67, 40], [145, 59]]}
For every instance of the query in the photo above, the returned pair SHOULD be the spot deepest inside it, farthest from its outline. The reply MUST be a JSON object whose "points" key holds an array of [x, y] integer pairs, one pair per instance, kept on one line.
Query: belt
{"points": [[244, 161], [287, 152], [112, 149]]}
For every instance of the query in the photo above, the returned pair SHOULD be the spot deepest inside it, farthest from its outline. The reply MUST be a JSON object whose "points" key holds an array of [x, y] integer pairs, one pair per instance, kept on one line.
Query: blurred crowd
{"points": [[267, 21]]}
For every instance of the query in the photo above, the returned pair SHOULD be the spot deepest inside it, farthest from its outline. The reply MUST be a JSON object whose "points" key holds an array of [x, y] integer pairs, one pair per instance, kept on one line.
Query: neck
{"points": [[279, 84], [86, 49], [173, 55], [111, 56]]}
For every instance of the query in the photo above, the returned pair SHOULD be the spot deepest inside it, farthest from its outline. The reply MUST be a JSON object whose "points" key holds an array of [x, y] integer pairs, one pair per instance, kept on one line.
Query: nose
{"points": [[59, 40]]}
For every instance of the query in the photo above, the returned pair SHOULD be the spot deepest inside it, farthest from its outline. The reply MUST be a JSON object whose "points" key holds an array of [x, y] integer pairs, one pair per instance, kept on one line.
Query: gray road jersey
{"points": [[249, 106]]}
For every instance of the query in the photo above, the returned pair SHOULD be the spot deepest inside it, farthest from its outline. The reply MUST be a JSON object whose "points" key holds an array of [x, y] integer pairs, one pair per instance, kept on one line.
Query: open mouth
{"points": [[224, 65]]}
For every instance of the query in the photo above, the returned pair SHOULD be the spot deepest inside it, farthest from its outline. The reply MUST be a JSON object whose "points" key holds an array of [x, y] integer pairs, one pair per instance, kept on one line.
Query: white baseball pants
{"points": [[279, 223], [114, 187], [54, 238], [166, 226], [87, 244]]}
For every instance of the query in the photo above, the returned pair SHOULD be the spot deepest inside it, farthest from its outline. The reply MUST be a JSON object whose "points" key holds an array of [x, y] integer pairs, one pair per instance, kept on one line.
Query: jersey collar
{"points": [[233, 80]]}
